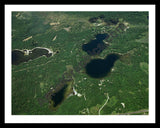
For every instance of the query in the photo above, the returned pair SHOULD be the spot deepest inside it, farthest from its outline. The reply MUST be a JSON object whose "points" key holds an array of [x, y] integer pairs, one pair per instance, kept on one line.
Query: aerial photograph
{"points": [[79, 63]]}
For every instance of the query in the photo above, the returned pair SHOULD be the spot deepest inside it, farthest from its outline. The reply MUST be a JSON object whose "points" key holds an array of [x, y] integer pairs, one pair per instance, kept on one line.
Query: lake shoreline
{"points": [[25, 55]]}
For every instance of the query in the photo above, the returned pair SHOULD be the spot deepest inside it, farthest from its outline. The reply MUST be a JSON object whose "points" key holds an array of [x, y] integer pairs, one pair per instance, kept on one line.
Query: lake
{"points": [[95, 47], [99, 68], [20, 56]]}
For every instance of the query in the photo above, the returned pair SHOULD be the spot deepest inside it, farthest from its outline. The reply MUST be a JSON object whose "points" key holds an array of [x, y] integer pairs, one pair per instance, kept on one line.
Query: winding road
{"points": [[99, 112]]}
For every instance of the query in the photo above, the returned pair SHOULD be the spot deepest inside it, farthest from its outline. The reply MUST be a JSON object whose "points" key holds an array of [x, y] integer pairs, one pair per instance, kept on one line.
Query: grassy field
{"points": [[126, 86]]}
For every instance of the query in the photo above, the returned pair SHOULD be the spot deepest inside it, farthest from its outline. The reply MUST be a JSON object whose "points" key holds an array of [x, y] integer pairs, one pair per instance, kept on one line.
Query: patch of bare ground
{"points": [[27, 38], [135, 112]]}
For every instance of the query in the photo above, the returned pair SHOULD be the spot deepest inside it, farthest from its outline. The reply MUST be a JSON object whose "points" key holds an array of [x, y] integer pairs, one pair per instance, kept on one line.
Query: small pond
{"points": [[58, 97]]}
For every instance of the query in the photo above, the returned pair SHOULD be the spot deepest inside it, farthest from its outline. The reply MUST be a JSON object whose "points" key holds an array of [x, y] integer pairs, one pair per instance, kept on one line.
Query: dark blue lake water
{"points": [[95, 47], [99, 68]]}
